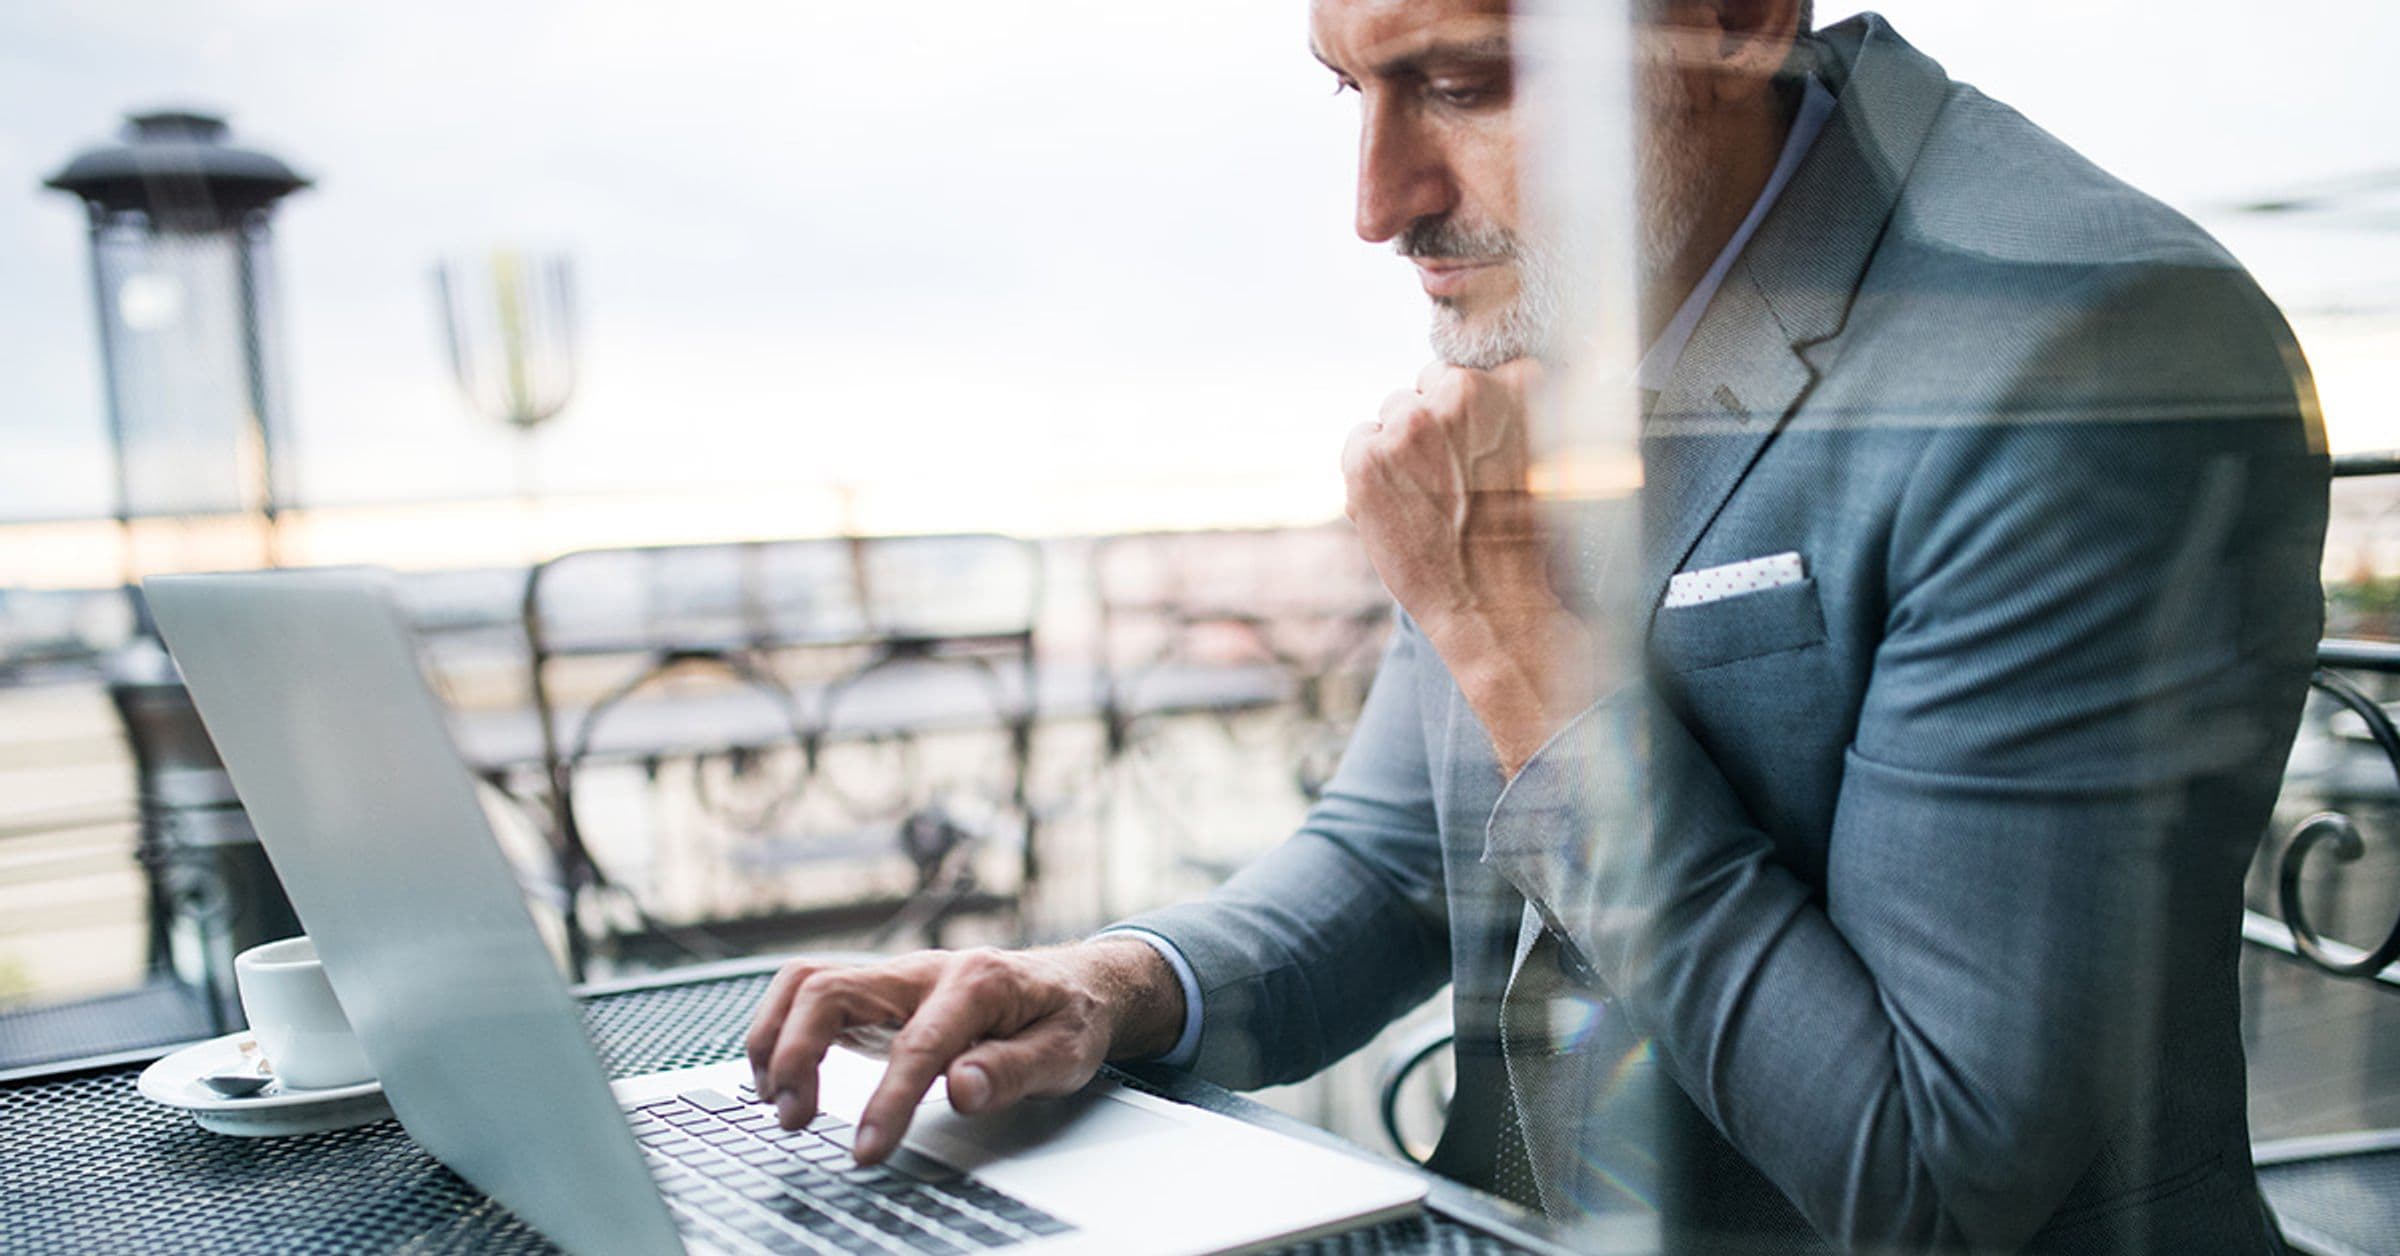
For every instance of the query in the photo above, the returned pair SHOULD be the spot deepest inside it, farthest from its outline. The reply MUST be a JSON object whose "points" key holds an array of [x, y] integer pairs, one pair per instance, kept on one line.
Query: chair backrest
{"points": [[768, 594], [2297, 877], [1301, 597], [2356, 765]]}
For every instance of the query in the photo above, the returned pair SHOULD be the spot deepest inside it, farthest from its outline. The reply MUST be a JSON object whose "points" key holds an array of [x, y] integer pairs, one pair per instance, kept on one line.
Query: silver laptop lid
{"points": [[309, 686]]}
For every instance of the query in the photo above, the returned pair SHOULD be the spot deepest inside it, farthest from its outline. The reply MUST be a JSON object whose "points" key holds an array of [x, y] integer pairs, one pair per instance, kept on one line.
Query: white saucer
{"points": [[175, 1082]]}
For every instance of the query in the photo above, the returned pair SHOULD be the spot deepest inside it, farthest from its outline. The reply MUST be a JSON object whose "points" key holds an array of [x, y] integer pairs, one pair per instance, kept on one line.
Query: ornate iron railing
{"points": [[2335, 831]]}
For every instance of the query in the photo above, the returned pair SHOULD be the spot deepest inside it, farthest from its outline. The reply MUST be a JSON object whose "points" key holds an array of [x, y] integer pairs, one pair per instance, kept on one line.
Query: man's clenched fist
{"points": [[1438, 489]]}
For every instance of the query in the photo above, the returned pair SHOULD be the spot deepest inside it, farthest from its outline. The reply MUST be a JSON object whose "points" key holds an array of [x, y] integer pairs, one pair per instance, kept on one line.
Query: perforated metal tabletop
{"points": [[88, 1165]]}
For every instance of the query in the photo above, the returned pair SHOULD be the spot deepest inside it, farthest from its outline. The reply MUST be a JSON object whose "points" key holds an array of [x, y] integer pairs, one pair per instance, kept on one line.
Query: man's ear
{"points": [[1750, 41]]}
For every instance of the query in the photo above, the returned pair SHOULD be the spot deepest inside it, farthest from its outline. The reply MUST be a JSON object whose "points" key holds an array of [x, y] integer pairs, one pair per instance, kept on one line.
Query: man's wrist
{"points": [[1143, 997], [1526, 670]]}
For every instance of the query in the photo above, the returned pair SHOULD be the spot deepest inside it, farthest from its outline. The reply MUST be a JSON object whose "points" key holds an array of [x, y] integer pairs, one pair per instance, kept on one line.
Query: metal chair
{"points": [[1413, 1089], [1271, 634], [744, 666], [2336, 1194]]}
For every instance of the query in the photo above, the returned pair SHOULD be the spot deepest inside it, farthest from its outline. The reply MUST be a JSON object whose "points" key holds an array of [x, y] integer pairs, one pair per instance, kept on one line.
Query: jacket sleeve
{"points": [[1307, 952], [2096, 641]]}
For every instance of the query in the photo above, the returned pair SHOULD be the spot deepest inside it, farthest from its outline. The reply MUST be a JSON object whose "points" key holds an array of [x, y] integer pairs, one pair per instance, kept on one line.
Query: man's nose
{"points": [[1401, 175]]}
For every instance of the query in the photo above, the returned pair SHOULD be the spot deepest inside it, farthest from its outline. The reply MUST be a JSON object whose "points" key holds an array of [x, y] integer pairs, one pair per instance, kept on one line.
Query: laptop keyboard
{"points": [[735, 1177]]}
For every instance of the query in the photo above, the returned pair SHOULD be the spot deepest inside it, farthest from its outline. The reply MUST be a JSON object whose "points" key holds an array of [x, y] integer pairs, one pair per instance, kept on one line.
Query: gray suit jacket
{"points": [[1901, 902]]}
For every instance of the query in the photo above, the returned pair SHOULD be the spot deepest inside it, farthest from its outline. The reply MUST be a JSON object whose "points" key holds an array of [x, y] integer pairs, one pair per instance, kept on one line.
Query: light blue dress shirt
{"points": [[1658, 363], [1655, 369]]}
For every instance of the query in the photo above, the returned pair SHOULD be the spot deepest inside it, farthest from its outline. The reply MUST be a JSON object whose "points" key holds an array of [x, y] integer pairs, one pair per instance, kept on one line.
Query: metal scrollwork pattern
{"points": [[2340, 834]]}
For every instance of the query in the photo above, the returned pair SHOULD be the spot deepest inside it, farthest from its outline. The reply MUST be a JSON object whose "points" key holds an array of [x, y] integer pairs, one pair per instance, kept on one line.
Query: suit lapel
{"points": [[1743, 372], [1737, 381]]}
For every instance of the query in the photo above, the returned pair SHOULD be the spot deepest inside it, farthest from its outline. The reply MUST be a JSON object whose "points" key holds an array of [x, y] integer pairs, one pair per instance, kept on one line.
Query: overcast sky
{"points": [[827, 244]]}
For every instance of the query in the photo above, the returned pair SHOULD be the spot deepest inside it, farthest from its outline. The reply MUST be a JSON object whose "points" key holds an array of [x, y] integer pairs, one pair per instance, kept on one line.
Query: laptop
{"points": [[309, 685]]}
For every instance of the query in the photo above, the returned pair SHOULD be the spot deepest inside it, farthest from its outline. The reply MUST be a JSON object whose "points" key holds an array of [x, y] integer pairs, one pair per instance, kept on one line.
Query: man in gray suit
{"points": [[1895, 907]]}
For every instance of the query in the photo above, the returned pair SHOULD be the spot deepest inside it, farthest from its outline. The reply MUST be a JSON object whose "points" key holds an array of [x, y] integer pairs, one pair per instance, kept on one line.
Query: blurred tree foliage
{"points": [[2364, 606]]}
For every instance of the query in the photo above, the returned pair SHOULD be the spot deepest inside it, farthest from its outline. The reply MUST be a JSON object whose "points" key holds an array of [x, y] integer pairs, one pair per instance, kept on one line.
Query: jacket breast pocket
{"points": [[1744, 626]]}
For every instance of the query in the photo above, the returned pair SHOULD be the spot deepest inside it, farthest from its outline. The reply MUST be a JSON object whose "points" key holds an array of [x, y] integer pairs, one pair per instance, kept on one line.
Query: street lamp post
{"points": [[180, 230]]}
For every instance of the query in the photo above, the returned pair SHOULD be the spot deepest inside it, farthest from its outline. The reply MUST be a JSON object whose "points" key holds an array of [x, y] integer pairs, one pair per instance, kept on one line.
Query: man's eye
{"points": [[1463, 95]]}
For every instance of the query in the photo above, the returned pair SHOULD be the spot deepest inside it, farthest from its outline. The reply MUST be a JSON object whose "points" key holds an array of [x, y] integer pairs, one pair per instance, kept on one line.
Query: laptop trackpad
{"points": [[1035, 1127]]}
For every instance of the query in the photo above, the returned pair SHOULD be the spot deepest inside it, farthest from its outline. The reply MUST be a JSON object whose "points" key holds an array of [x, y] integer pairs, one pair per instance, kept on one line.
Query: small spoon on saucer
{"points": [[248, 1078]]}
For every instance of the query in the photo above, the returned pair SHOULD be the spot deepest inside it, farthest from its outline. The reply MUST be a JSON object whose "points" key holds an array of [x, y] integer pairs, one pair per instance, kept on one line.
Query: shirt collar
{"points": [[1658, 363]]}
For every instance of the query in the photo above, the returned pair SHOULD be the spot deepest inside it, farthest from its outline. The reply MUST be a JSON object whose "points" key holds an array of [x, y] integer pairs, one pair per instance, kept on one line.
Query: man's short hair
{"points": [[1807, 23]]}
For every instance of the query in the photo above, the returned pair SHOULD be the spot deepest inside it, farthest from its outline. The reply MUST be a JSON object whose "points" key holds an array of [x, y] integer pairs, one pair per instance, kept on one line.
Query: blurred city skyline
{"points": [[958, 261]]}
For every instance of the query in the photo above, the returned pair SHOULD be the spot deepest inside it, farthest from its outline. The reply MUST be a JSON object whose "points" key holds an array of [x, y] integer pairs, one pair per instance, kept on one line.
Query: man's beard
{"points": [[1673, 191], [1526, 327]]}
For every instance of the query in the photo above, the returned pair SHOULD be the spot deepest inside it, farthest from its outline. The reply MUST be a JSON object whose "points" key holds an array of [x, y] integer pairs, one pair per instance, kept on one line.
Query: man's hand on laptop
{"points": [[998, 1026]]}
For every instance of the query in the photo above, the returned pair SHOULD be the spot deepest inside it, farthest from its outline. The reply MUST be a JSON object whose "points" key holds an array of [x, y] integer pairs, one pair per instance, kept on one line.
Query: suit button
{"points": [[1572, 967]]}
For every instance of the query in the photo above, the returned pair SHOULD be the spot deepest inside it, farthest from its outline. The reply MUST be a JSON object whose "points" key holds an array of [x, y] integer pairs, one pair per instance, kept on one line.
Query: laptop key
{"points": [[715, 1204], [920, 1168], [710, 1101]]}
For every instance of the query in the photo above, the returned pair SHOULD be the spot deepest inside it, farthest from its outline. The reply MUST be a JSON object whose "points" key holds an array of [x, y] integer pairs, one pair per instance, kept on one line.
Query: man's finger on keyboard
{"points": [[767, 1025], [979, 993], [825, 1004]]}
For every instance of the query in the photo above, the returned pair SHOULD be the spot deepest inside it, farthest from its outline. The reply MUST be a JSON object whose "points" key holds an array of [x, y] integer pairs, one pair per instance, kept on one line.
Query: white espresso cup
{"points": [[293, 1014]]}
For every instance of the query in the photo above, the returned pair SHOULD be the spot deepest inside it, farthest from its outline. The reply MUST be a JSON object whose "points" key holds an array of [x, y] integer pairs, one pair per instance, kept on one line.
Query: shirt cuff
{"points": [[1187, 1044]]}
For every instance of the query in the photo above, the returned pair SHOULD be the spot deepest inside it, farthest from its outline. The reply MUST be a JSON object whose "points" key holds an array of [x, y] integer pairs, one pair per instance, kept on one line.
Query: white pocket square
{"points": [[1751, 575]]}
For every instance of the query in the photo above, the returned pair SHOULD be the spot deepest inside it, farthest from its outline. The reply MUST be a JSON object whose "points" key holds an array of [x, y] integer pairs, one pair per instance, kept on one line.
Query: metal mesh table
{"points": [[88, 1165], [161, 1012]]}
